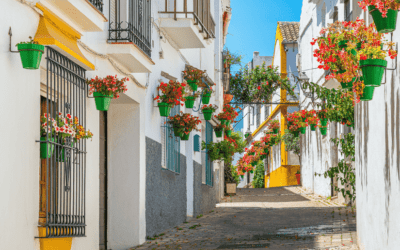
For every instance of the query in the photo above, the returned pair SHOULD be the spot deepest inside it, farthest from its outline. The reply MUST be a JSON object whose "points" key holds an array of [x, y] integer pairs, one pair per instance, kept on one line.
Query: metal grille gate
{"points": [[63, 198], [209, 166]]}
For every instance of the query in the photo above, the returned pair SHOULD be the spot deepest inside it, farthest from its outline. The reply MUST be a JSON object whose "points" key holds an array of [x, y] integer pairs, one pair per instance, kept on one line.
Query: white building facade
{"points": [[128, 182]]}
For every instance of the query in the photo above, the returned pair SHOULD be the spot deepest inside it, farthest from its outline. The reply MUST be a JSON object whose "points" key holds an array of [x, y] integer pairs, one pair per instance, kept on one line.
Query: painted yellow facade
{"points": [[53, 243], [283, 176]]}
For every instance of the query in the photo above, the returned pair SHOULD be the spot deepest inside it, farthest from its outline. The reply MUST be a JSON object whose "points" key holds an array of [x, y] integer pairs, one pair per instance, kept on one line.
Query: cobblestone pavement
{"points": [[274, 218]]}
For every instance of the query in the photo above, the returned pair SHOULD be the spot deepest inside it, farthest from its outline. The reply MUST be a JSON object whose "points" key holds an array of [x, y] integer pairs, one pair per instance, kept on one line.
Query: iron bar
{"points": [[98, 4]]}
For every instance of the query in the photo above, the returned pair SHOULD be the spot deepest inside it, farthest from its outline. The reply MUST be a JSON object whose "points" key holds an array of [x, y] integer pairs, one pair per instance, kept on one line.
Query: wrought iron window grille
{"points": [[98, 4], [130, 21], [209, 163], [63, 175]]}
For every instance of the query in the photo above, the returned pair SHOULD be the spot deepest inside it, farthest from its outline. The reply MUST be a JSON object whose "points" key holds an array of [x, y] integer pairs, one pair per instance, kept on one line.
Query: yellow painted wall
{"points": [[283, 176]]}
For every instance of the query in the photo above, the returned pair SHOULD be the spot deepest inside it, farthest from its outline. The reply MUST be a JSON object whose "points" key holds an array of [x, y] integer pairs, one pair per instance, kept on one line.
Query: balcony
{"points": [[188, 23], [129, 34], [83, 15]]}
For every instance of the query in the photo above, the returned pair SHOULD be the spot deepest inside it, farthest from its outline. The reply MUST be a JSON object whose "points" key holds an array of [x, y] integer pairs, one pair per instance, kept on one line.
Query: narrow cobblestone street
{"points": [[274, 218]]}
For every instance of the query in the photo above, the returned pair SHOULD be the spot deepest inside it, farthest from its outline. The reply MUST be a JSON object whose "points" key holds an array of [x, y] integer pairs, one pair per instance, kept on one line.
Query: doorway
{"points": [[103, 181]]}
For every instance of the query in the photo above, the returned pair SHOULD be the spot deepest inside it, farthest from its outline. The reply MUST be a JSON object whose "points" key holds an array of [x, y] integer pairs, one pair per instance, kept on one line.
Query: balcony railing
{"points": [[130, 21], [199, 10], [98, 4]]}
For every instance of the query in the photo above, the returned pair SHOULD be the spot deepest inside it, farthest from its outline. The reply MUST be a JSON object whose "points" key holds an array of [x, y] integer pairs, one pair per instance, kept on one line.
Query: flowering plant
{"points": [[108, 86], [210, 107], [208, 91], [322, 114], [31, 41], [193, 75], [382, 5], [184, 123], [229, 112], [312, 120], [293, 117], [172, 93], [274, 124], [220, 127], [370, 51]]}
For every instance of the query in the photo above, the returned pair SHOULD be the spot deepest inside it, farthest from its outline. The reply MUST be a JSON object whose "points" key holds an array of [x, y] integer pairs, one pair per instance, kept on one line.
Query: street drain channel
{"points": [[245, 246]]}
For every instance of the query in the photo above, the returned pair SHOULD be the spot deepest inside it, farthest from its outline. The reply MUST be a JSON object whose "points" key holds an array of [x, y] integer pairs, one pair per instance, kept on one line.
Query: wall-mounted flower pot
{"points": [[324, 122], [228, 133], [206, 98], [102, 101], [251, 153], [31, 55], [246, 135], [373, 70], [303, 119], [207, 114], [368, 93], [227, 123], [343, 44], [295, 133], [262, 157], [348, 85], [323, 131], [218, 133], [46, 149], [266, 150], [61, 157], [276, 130], [251, 171], [185, 137], [223, 122], [303, 130], [189, 103], [165, 109], [312, 126], [177, 133], [193, 84], [227, 98], [298, 178], [254, 163], [383, 24]]}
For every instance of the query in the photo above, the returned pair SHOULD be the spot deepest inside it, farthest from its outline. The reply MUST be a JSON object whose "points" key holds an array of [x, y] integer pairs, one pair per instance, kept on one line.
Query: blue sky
{"points": [[253, 25]]}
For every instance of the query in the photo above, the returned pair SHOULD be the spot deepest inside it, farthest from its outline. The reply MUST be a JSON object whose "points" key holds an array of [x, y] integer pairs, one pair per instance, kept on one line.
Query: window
{"points": [[98, 4], [171, 145], [323, 15], [347, 13], [208, 163], [130, 21], [266, 111], [258, 115], [62, 175]]}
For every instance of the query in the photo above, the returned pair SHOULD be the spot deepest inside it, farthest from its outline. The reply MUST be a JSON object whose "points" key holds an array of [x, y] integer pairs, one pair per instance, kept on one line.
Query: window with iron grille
{"points": [[266, 111], [208, 162], [130, 21], [347, 13], [172, 146], [258, 115], [98, 4], [63, 174]]}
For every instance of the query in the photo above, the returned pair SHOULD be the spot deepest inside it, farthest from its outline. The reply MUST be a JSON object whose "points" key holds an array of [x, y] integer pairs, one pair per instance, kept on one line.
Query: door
{"points": [[103, 181]]}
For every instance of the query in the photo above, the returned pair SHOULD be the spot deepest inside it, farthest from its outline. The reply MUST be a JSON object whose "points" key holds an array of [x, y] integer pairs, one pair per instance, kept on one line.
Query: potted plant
{"points": [[322, 115], [298, 177], [222, 118], [183, 124], [274, 126], [31, 53], [208, 110], [103, 89], [190, 97], [312, 121], [207, 95], [363, 92], [219, 129], [47, 135], [250, 151], [229, 114], [384, 13], [193, 77], [323, 129], [247, 135], [172, 94]]}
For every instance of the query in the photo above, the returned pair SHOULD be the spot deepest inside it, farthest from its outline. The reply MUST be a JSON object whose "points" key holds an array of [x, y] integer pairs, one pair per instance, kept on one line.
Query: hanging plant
{"points": [[183, 124], [312, 121], [193, 77], [31, 53], [323, 129], [208, 110], [274, 125], [384, 13], [172, 94], [104, 89], [207, 95], [190, 97]]}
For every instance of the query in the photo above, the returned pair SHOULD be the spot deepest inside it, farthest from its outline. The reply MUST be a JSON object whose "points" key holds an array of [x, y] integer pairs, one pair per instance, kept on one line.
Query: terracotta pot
{"points": [[227, 98]]}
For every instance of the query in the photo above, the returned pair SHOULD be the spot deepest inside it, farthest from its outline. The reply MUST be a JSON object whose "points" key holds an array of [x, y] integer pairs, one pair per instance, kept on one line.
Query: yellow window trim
{"points": [[52, 31]]}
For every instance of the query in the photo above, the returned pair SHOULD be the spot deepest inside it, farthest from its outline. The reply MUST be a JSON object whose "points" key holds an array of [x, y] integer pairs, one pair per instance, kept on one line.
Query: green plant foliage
{"points": [[258, 84], [224, 150], [231, 58], [231, 175], [292, 143], [259, 178], [345, 172]]}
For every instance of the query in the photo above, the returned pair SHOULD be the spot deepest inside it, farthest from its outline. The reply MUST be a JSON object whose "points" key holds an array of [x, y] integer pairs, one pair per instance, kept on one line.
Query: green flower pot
{"points": [[185, 137], [289, 124], [206, 98], [275, 130], [31, 55], [324, 122], [343, 44], [246, 135], [102, 101], [262, 157], [251, 153], [373, 70], [46, 149], [189, 103], [193, 84], [266, 151], [62, 156], [218, 133], [227, 123], [303, 119], [251, 171], [223, 122], [312, 126], [207, 114], [228, 133], [348, 85], [254, 163], [296, 133], [177, 133], [368, 93], [303, 130], [383, 24], [165, 109], [323, 131]]}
